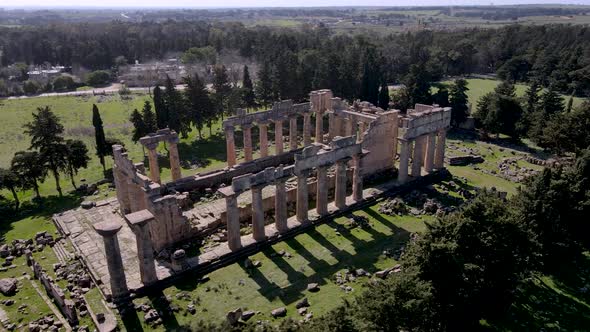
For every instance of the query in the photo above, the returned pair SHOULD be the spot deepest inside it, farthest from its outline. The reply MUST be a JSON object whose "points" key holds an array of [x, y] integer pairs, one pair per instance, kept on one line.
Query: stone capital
{"points": [[139, 218], [107, 228]]}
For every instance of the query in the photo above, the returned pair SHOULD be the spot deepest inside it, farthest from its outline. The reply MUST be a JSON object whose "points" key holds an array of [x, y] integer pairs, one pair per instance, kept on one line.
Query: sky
{"points": [[266, 3]]}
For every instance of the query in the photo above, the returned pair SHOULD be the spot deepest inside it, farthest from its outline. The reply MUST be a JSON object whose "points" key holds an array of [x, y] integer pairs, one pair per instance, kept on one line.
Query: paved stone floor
{"points": [[77, 225]]}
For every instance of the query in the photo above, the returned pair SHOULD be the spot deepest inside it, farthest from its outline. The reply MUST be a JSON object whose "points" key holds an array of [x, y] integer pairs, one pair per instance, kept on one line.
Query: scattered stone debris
{"points": [[465, 160], [393, 206], [8, 286], [246, 315], [313, 287], [359, 221], [302, 303], [234, 316], [279, 312]]}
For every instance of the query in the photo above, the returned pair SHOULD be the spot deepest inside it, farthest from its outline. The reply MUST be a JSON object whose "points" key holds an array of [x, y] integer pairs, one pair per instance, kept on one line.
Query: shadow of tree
{"points": [[45, 207]]}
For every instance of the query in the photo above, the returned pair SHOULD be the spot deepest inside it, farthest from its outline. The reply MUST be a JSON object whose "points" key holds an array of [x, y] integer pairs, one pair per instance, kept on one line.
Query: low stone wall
{"points": [[66, 306], [215, 178]]}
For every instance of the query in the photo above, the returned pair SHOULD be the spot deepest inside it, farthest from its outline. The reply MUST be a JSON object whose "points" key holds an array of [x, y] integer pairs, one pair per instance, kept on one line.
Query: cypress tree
{"points": [[201, 109], [458, 101], [149, 118], [102, 148], [248, 96], [264, 86], [177, 110], [384, 96], [160, 108], [370, 78], [138, 126]]}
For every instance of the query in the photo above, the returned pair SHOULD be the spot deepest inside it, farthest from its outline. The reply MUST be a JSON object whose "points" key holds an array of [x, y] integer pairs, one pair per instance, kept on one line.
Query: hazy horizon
{"points": [[64, 4]]}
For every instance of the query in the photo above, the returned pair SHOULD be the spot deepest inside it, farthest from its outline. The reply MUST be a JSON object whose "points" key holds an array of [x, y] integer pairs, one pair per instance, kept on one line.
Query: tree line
{"points": [[301, 60]]}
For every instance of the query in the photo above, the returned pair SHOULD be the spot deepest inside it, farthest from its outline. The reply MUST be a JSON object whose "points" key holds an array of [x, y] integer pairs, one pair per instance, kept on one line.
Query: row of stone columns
{"points": [[258, 230], [322, 188], [427, 151], [263, 136]]}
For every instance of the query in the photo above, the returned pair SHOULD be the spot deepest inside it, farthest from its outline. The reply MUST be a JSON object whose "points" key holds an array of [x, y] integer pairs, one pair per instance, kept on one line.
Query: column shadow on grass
{"points": [[366, 254]]}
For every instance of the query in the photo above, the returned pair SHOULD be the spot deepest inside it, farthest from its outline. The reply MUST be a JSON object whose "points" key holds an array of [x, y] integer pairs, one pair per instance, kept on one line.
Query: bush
{"points": [[31, 87], [98, 78], [64, 83]]}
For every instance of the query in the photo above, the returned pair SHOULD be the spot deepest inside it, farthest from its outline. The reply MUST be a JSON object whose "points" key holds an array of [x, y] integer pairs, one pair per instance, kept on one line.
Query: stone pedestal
{"points": [[278, 137], [357, 180], [306, 129], [418, 156], [293, 133], [153, 162], [430, 149], [404, 160], [174, 159], [439, 156], [302, 197], [281, 206], [108, 229], [233, 223], [322, 191], [263, 133], [340, 190], [230, 146], [247, 130], [145, 250], [257, 214]]}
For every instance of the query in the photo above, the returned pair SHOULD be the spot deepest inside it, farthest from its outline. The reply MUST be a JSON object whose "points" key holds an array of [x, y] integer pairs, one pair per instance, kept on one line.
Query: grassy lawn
{"points": [[281, 281], [479, 87]]}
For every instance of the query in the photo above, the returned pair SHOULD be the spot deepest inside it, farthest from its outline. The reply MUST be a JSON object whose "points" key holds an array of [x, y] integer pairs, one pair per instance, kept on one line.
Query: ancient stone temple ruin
{"points": [[324, 159]]}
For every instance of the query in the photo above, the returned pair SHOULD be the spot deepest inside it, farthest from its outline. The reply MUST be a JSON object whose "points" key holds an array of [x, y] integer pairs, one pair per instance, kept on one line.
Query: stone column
{"points": [[257, 214], [322, 191], [430, 148], [293, 132], [302, 197], [263, 133], [145, 250], [281, 205], [306, 129], [153, 161], [362, 128], [404, 156], [122, 190], [174, 158], [247, 130], [340, 191], [418, 156], [230, 146], [108, 229], [319, 126], [357, 180], [278, 137], [232, 216], [439, 156]]}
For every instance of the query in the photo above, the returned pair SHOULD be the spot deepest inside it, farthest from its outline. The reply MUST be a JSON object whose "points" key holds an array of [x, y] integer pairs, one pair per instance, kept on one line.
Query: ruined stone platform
{"points": [[77, 224]]}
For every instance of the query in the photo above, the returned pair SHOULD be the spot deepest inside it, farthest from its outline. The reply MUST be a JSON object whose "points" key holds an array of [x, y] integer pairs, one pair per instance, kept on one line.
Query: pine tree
{"points": [[149, 118], [9, 180], [29, 168], [532, 97], [570, 104], [551, 102], [222, 89], [458, 101], [506, 88], [46, 137], [201, 109], [264, 86], [139, 129], [77, 157], [248, 96], [160, 108], [102, 148], [441, 97], [417, 82], [384, 96], [177, 110]]}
